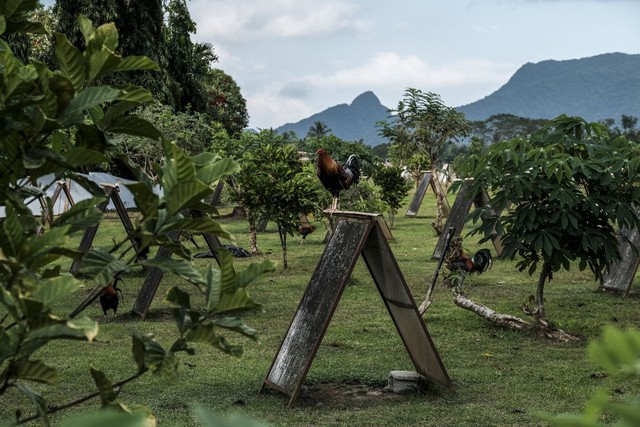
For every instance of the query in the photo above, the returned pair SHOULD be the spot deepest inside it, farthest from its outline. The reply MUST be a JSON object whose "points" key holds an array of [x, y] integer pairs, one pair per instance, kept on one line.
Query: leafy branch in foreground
{"points": [[60, 123], [618, 354]]}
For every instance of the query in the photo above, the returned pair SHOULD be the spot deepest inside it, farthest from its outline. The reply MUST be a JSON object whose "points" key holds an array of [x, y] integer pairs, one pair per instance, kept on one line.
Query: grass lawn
{"points": [[501, 378]]}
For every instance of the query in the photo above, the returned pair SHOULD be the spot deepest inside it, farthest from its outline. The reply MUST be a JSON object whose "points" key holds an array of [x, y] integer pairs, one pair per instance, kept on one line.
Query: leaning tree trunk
{"points": [[538, 312], [503, 320]]}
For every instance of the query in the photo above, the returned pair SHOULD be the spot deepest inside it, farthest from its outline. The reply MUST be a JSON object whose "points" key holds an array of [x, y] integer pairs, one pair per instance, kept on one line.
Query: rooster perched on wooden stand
{"points": [[336, 177]]}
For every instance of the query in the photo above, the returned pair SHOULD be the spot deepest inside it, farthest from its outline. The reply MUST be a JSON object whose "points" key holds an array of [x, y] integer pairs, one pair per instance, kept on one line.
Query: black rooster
{"points": [[481, 262], [336, 177], [109, 299]]}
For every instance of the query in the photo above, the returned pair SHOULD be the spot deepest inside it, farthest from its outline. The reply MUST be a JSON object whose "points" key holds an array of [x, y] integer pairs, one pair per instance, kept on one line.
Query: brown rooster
{"points": [[305, 230], [481, 262], [336, 177], [109, 299]]}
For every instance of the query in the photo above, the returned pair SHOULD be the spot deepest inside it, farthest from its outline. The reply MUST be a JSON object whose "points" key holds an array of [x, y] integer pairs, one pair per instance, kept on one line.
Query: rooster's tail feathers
{"points": [[482, 260], [353, 164]]}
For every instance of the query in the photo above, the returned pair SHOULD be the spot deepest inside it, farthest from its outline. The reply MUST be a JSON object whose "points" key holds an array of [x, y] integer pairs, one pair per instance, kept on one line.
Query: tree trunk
{"points": [[538, 312], [253, 238], [283, 244]]}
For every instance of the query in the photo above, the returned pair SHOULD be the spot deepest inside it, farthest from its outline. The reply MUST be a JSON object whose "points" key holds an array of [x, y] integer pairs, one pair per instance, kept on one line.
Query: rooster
{"points": [[481, 262], [109, 299], [305, 230], [336, 177]]}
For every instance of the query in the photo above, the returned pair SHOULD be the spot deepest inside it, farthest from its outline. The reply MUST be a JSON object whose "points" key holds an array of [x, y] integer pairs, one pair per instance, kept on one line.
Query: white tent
{"points": [[79, 193]]}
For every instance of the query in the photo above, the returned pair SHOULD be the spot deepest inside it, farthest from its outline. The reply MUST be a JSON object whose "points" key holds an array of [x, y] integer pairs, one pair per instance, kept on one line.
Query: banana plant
{"points": [[64, 121]]}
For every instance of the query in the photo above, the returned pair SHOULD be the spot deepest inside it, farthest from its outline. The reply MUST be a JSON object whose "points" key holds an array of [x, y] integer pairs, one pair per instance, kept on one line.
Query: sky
{"points": [[295, 58]]}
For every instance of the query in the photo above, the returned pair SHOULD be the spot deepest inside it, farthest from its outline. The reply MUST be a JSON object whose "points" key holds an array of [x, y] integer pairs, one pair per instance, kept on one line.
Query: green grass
{"points": [[501, 378]]}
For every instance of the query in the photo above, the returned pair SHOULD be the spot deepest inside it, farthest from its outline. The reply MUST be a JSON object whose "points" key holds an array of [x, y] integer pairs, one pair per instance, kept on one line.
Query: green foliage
{"points": [[394, 188], [192, 132], [618, 354], [274, 185], [362, 197], [424, 124], [38, 109], [563, 190], [225, 103], [188, 63]]}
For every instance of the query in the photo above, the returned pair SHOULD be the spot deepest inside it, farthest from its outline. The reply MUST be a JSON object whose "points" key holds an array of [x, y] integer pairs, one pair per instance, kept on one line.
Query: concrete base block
{"points": [[404, 382]]}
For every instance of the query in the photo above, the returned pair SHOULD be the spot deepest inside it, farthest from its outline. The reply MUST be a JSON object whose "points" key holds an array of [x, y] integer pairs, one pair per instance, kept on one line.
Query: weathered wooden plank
{"points": [[622, 273], [90, 233], [316, 308], [150, 285], [456, 218], [401, 306], [419, 195]]}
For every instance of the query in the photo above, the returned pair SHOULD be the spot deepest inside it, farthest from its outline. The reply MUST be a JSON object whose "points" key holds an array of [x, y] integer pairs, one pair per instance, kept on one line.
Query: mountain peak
{"points": [[353, 122], [367, 99]]}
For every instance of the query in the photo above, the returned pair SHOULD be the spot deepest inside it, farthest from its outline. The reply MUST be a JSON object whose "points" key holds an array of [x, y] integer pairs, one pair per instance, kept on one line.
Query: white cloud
{"points": [[392, 69], [268, 109], [245, 20]]}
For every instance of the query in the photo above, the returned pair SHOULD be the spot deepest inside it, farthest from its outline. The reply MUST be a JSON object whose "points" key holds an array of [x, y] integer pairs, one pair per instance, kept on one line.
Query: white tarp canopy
{"points": [[78, 192]]}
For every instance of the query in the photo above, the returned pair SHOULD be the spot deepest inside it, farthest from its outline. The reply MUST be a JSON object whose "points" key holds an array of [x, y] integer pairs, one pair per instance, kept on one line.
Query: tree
{"points": [[394, 188], [564, 189], [273, 185], [225, 103], [424, 124], [188, 63], [39, 108], [318, 130]]}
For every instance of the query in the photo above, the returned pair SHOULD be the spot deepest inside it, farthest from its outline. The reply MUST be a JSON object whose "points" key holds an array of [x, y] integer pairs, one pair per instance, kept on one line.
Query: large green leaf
{"points": [[219, 169], [213, 288], [132, 125], [80, 156], [88, 98], [102, 266], [246, 276], [107, 394], [146, 200], [35, 370], [236, 324], [72, 63], [74, 329], [101, 63], [136, 63], [178, 297], [82, 215], [203, 224], [183, 194], [178, 267], [56, 289], [236, 302]]}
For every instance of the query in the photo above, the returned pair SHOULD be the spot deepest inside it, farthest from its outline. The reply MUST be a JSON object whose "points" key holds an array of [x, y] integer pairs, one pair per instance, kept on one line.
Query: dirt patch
{"points": [[347, 395]]}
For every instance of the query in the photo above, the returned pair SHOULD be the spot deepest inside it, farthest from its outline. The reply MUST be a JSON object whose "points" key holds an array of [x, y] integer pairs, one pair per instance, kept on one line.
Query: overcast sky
{"points": [[294, 58]]}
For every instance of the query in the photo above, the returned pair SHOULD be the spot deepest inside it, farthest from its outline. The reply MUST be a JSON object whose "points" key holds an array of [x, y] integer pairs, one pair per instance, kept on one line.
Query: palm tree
{"points": [[318, 130]]}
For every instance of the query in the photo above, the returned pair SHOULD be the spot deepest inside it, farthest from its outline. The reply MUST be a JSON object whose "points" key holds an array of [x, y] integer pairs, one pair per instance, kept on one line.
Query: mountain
{"points": [[599, 87], [350, 122], [594, 88]]}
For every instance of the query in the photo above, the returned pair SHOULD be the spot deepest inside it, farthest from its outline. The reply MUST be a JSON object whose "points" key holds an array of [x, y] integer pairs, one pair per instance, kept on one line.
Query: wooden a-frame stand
{"points": [[154, 275], [354, 234], [620, 276], [113, 194], [428, 179], [61, 187], [458, 215]]}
